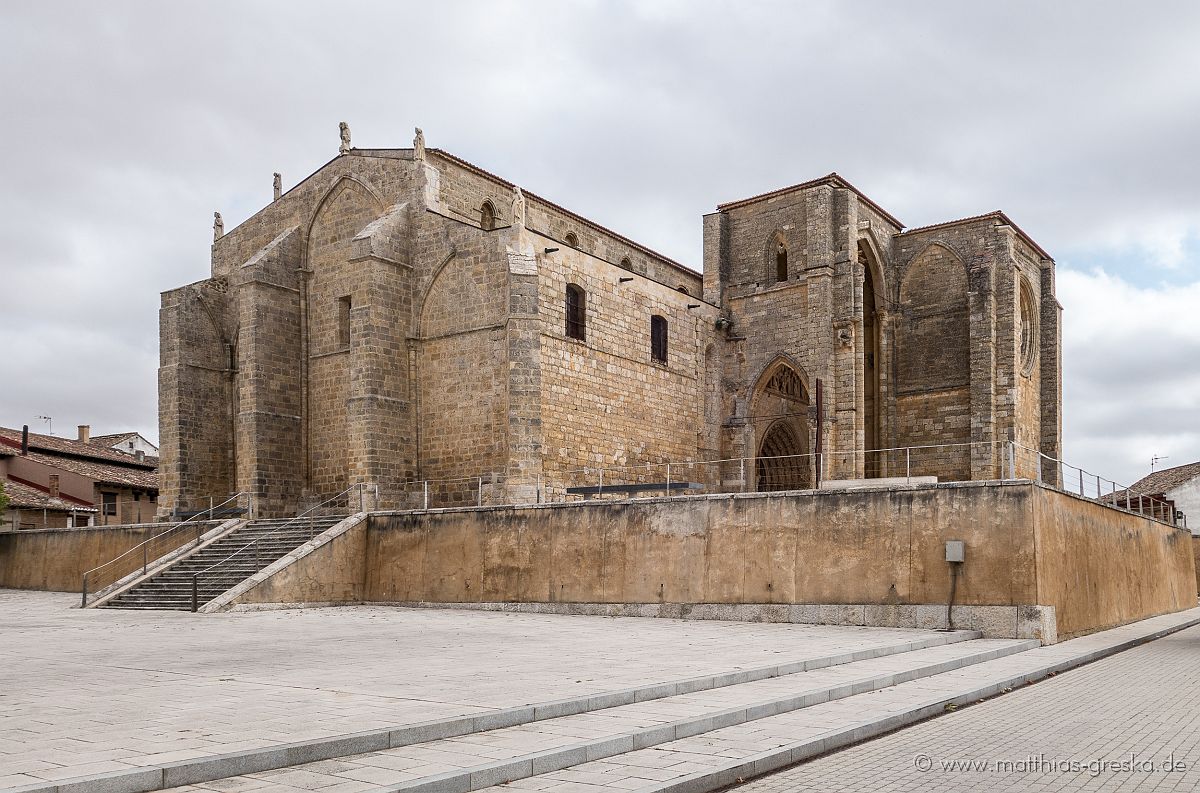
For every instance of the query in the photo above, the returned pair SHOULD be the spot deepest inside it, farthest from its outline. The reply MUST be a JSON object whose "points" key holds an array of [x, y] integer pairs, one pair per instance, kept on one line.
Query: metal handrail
{"points": [[1119, 496], [145, 545], [1131, 501], [306, 513]]}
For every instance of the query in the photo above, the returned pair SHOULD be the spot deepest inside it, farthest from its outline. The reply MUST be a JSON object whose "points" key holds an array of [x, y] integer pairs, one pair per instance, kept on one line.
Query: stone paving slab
{"points": [[91, 692], [477, 760], [1137, 711], [727, 756]]}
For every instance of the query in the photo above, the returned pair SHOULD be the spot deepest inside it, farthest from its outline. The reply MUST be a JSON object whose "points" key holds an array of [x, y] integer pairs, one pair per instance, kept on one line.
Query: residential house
{"points": [[56, 482], [1178, 486], [127, 442]]}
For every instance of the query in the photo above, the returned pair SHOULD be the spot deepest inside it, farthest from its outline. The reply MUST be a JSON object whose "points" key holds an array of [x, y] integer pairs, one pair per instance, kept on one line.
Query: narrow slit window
{"points": [[487, 216], [576, 312], [344, 321], [658, 338], [781, 262]]}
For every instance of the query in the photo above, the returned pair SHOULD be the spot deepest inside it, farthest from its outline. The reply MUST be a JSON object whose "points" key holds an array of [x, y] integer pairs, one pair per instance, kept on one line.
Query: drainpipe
{"points": [[955, 555]]}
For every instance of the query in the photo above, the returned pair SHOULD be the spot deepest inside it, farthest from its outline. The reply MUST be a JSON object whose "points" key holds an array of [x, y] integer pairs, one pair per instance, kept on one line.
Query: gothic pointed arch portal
{"points": [[780, 416], [782, 463]]}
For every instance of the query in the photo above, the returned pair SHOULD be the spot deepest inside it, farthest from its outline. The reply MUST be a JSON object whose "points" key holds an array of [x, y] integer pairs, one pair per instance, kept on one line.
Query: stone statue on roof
{"points": [[344, 133], [518, 207], [277, 184], [218, 226], [419, 145]]}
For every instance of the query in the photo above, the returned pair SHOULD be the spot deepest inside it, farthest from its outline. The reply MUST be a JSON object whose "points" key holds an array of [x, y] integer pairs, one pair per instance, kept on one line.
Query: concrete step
{"points": [[194, 566], [704, 761], [186, 578], [727, 756], [505, 747], [167, 774], [203, 597], [506, 754]]}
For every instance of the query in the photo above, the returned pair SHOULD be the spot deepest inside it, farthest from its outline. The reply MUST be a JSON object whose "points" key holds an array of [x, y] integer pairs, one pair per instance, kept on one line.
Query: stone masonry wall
{"points": [[978, 249], [365, 327], [933, 364], [462, 190], [269, 427], [196, 399], [605, 401], [461, 364], [273, 446], [333, 280], [811, 323]]}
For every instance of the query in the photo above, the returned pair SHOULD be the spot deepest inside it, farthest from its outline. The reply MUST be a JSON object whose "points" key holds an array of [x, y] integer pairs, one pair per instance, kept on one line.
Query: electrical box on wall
{"points": [[955, 551]]}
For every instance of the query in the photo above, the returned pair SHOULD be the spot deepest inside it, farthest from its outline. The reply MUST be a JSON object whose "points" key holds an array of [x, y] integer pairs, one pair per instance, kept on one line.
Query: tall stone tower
{"points": [[850, 336]]}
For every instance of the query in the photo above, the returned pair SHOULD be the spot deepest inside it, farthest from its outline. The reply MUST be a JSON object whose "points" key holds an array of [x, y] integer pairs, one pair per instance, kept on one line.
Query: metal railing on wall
{"points": [[954, 462], [1079, 481], [99, 578], [946, 462], [251, 551]]}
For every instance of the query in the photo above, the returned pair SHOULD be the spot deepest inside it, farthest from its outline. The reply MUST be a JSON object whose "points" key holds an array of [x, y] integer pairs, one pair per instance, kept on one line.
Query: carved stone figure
{"points": [[277, 183], [218, 226], [344, 132], [419, 145], [518, 207]]}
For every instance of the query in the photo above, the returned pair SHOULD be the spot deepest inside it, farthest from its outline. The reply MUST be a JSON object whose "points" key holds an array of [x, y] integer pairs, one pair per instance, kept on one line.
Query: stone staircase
{"points": [[693, 735], [171, 587]]}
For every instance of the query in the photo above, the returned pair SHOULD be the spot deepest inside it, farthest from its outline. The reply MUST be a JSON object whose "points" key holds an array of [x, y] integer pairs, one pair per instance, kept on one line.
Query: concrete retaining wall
{"points": [[1087, 566], [329, 569], [849, 547], [1196, 555], [1100, 567], [56, 559]]}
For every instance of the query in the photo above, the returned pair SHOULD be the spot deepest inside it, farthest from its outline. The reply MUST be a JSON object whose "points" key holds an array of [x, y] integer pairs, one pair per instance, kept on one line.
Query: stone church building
{"points": [[402, 315]]}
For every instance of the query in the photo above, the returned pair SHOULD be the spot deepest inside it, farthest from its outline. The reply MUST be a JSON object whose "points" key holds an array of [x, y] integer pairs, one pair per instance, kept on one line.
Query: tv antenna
{"points": [[49, 424], [1154, 460]]}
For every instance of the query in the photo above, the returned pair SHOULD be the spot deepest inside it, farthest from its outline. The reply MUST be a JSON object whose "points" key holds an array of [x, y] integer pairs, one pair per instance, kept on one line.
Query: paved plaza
{"points": [[1138, 711], [98, 691], [378, 698]]}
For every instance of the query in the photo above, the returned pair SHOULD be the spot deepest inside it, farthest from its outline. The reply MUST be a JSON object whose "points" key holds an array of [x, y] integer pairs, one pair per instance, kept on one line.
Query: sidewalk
{"points": [[1138, 710]]}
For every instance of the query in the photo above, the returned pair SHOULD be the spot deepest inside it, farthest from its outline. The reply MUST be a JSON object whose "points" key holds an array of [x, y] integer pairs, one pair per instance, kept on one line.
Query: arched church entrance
{"points": [[782, 463], [780, 412]]}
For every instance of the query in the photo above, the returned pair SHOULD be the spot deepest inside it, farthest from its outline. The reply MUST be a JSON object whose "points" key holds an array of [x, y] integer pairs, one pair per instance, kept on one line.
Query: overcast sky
{"points": [[124, 125]]}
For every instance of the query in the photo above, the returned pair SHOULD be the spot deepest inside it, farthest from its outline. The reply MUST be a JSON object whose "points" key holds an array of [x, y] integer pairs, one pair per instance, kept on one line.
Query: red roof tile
{"points": [[1160, 482], [25, 496], [53, 444]]}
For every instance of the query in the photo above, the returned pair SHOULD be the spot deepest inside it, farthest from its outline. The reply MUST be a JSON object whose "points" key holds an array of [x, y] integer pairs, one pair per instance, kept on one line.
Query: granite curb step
{"points": [[486, 775], [844, 682], [743, 769], [204, 769]]}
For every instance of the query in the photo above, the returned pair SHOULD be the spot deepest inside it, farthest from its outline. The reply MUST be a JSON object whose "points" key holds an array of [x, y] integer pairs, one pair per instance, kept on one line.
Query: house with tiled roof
{"points": [[55, 482], [127, 442], [1179, 486]]}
